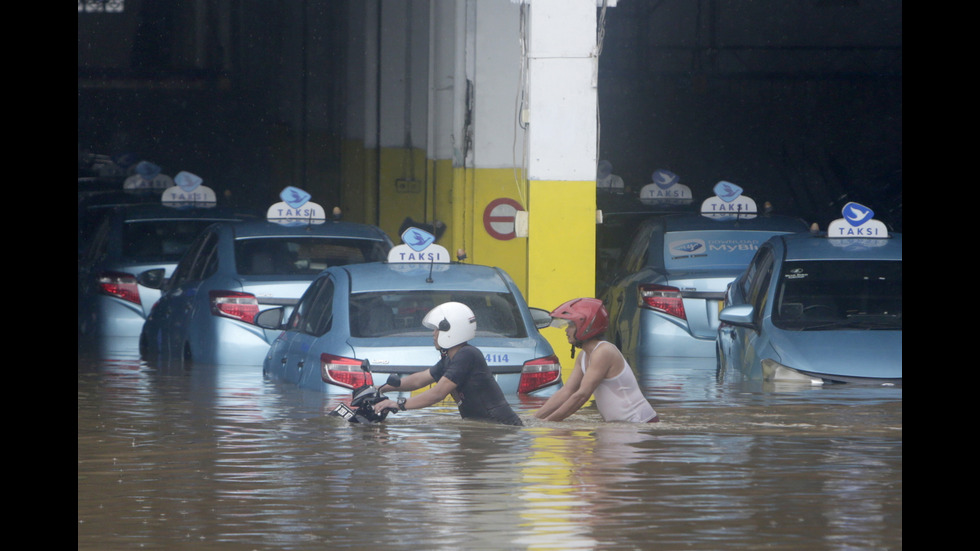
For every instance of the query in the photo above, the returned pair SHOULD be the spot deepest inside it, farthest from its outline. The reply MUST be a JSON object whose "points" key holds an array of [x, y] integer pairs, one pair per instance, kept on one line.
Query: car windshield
{"points": [[160, 239], [400, 313], [712, 249], [839, 294], [302, 255]]}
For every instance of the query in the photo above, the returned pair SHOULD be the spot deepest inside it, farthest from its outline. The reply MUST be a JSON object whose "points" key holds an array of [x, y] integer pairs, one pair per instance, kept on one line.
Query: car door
{"points": [[182, 293], [297, 359], [746, 343]]}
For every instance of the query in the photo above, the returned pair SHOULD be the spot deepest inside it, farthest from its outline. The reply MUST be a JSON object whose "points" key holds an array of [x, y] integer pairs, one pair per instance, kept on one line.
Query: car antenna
{"points": [[432, 263]]}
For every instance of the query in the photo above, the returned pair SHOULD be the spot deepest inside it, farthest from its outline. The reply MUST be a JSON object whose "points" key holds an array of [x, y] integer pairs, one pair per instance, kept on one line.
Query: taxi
{"points": [[664, 301], [132, 238], [358, 324], [819, 308], [235, 270]]}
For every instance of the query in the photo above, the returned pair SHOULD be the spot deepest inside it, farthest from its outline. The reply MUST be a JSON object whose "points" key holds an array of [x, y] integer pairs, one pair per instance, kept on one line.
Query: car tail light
{"points": [[345, 372], [120, 285], [664, 299], [539, 373], [235, 305]]}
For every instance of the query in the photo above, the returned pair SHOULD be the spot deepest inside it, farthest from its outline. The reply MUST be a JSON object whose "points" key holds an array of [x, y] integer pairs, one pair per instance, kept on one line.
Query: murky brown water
{"points": [[218, 457]]}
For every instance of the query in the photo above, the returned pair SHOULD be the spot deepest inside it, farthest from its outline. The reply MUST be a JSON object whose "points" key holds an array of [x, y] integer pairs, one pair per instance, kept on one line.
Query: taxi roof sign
{"points": [[418, 246], [858, 222], [665, 189], [295, 209], [728, 203], [188, 192]]}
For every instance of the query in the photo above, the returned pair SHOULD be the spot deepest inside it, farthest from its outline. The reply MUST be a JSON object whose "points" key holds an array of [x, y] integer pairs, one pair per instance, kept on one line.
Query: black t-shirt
{"points": [[477, 394]]}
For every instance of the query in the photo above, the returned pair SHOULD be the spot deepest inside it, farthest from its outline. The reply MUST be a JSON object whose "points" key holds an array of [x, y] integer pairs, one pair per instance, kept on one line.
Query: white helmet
{"points": [[455, 322]]}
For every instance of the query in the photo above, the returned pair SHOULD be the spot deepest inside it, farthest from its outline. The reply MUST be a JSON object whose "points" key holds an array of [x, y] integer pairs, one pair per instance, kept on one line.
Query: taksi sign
{"points": [[295, 209], [728, 203], [665, 189], [857, 223], [188, 192], [418, 246]]}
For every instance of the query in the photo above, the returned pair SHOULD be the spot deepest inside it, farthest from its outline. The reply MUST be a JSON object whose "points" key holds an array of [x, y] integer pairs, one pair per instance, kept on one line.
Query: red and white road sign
{"points": [[498, 218]]}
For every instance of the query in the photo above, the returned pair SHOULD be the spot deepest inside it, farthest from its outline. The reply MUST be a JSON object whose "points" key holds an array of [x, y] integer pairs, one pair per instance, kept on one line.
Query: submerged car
{"points": [[358, 324], [129, 240], [815, 309], [233, 271], [665, 300]]}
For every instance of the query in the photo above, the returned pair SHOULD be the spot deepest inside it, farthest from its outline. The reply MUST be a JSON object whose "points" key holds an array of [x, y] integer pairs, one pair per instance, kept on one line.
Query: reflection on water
{"points": [[217, 456]]}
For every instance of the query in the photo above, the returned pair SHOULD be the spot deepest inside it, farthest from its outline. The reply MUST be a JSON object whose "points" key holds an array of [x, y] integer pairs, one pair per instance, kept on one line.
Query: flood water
{"points": [[219, 457]]}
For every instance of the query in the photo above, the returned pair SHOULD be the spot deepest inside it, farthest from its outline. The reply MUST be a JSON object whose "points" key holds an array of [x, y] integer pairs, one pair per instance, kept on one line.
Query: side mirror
{"points": [[154, 279], [742, 315], [270, 319], [540, 317]]}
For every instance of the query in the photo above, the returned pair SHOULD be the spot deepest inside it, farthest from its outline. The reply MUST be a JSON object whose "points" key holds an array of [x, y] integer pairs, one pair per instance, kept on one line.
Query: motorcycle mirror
{"points": [[394, 381]]}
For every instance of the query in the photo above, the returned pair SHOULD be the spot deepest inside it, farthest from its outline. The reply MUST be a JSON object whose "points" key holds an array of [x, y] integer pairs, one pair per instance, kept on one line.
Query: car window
{"points": [[759, 285], [189, 266], [314, 313], [637, 253], [207, 261], [839, 294], [302, 255], [96, 251], [160, 239], [400, 313], [761, 258]]}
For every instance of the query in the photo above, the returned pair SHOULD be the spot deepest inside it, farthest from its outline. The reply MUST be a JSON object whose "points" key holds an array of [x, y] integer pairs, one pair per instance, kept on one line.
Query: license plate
{"points": [[344, 411]]}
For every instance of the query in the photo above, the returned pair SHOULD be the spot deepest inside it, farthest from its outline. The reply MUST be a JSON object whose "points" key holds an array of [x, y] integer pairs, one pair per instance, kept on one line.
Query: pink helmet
{"points": [[588, 314]]}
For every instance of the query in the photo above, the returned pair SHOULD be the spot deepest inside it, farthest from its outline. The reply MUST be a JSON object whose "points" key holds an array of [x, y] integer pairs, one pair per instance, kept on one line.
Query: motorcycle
{"points": [[363, 400]]}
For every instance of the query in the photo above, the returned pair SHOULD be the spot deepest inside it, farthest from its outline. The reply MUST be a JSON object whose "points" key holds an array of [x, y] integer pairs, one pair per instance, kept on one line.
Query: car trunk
{"points": [[404, 355], [703, 295]]}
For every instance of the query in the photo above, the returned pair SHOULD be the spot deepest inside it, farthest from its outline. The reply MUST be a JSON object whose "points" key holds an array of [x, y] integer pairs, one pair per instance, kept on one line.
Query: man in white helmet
{"points": [[462, 372]]}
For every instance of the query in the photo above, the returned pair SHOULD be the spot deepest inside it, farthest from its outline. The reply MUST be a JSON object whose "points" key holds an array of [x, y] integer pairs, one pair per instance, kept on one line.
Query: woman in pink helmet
{"points": [[601, 370]]}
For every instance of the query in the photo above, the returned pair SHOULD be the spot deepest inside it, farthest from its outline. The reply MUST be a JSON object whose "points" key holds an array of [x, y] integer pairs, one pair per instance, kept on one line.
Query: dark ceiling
{"points": [[800, 103]]}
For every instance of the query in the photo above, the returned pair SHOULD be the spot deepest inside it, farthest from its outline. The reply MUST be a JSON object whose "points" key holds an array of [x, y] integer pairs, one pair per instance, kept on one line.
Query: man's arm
{"points": [[410, 382], [425, 399], [599, 365]]}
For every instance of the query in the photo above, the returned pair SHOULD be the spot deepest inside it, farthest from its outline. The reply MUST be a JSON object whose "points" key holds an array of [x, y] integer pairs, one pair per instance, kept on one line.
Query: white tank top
{"points": [[620, 398]]}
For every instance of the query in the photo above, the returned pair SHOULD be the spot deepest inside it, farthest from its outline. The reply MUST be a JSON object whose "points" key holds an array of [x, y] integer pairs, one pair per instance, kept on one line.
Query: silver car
{"points": [[236, 270], [665, 299], [814, 309]]}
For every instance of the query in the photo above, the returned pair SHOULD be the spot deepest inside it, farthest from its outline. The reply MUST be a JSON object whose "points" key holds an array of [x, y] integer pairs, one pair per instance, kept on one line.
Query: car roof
{"points": [[820, 247], [332, 228], [381, 276], [161, 212], [770, 222]]}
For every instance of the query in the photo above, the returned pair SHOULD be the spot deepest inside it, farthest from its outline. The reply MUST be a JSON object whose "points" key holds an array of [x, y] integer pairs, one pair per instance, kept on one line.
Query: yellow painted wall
{"points": [[561, 250]]}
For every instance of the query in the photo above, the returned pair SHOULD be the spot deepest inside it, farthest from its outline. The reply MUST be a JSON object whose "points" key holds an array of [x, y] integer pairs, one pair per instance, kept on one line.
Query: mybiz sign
{"points": [[688, 248]]}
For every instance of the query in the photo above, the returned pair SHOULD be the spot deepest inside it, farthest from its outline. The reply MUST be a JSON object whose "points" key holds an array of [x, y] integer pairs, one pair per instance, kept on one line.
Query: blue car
{"points": [[129, 240], [664, 302], [358, 324], [233, 271], [818, 308]]}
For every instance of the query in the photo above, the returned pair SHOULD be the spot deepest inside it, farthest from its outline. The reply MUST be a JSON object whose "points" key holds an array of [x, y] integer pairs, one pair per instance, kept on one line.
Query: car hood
{"points": [[845, 354]]}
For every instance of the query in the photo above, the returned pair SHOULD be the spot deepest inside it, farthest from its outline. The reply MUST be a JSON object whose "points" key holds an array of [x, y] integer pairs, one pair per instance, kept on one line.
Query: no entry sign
{"points": [[498, 218]]}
